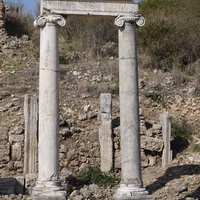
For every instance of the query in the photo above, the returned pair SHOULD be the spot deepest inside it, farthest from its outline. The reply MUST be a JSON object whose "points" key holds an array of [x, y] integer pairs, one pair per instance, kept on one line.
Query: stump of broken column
{"points": [[166, 134], [105, 132], [30, 140]]}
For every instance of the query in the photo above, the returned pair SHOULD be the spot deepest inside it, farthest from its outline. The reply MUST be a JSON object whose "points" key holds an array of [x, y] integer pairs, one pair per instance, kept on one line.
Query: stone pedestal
{"points": [[131, 186], [48, 185]]}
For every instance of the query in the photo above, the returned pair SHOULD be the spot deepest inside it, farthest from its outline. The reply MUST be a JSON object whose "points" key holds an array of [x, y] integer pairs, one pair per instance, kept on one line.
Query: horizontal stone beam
{"points": [[99, 8]]}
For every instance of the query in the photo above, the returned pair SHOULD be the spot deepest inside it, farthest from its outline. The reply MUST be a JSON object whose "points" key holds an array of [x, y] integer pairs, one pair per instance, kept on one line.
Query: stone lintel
{"points": [[88, 7]]}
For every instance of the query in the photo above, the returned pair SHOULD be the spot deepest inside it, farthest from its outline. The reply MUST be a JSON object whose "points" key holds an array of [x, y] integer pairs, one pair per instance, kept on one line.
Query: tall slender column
{"points": [[131, 186], [48, 184]]}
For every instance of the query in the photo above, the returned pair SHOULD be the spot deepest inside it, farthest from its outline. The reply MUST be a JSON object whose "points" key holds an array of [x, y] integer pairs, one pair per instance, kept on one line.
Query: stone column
{"points": [[48, 185], [105, 132], [30, 135], [131, 186], [166, 134]]}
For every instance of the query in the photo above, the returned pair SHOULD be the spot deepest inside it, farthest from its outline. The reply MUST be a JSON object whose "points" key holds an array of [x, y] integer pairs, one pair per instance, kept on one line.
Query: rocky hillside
{"points": [[81, 82]]}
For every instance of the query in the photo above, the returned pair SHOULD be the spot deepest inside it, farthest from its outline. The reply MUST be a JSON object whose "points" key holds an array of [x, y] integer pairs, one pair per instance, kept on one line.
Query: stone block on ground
{"points": [[151, 144]]}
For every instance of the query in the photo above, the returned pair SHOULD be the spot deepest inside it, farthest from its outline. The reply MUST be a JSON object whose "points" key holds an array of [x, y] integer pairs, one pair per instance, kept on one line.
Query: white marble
{"points": [[96, 7], [106, 133], [131, 178], [48, 148]]}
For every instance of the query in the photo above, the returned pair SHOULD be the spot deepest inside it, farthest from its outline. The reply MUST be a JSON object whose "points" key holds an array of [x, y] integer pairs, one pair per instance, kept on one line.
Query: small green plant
{"points": [[62, 60], [169, 39], [196, 148], [154, 96], [94, 175], [181, 131]]}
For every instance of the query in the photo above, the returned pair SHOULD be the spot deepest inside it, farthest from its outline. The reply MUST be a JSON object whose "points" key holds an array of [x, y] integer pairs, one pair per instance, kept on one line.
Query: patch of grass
{"points": [[63, 60], [181, 131], [94, 175], [1, 62], [154, 96], [170, 40], [11, 80], [196, 148]]}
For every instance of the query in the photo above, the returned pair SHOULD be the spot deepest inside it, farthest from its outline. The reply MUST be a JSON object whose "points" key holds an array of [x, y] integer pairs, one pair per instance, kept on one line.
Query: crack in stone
{"points": [[49, 70], [122, 58]]}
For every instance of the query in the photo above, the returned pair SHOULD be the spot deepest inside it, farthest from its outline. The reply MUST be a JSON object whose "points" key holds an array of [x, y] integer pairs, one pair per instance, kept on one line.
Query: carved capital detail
{"points": [[137, 18], [50, 18]]}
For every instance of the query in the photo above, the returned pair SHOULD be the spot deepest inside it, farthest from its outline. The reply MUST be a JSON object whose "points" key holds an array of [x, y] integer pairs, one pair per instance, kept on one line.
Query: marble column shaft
{"points": [[129, 106], [131, 179], [48, 147]]}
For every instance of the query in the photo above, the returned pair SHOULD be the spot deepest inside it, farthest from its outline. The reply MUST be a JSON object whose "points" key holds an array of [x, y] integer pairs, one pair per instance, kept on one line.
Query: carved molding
{"points": [[91, 7], [50, 18], [138, 19]]}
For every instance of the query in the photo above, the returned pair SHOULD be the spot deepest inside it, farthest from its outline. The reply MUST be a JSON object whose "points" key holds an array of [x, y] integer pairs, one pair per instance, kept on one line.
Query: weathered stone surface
{"points": [[30, 180], [194, 158], [5, 152], [16, 152], [107, 8], [151, 144], [4, 133], [31, 132], [16, 138], [166, 134], [48, 146], [105, 132]]}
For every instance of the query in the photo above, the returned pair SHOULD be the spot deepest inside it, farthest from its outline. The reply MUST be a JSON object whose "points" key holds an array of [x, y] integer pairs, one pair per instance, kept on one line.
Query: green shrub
{"points": [[19, 23], [154, 96], [62, 60], [94, 175], [90, 34], [181, 131], [170, 35], [196, 148]]}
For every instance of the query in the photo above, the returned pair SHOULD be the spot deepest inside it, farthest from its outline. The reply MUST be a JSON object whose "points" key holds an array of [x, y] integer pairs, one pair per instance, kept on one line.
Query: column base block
{"points": [[51, 190], [125, 192]]}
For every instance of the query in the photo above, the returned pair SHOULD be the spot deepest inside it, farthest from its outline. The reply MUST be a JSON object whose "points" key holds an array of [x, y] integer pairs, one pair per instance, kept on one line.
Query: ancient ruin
{"points": [[126, 18]]}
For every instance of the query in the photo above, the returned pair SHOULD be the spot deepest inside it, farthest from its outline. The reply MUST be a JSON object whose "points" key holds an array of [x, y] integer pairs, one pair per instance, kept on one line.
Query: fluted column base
{"points": [[51, 190], [125, 192]]}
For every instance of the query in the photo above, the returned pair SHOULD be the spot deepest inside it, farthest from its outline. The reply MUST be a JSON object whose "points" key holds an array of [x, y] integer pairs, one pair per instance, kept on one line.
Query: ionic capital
{"points": [[138, 19], [51, 19]]}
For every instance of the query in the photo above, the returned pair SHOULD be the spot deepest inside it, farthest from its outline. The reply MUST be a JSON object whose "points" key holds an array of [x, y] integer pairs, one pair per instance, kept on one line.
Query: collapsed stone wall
{"points": [[2, 15], [5, 11]]}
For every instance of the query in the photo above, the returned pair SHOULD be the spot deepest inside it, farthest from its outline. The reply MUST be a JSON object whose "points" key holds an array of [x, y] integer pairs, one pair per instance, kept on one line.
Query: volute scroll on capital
{"points": [[137, 18], [49, 18]]}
